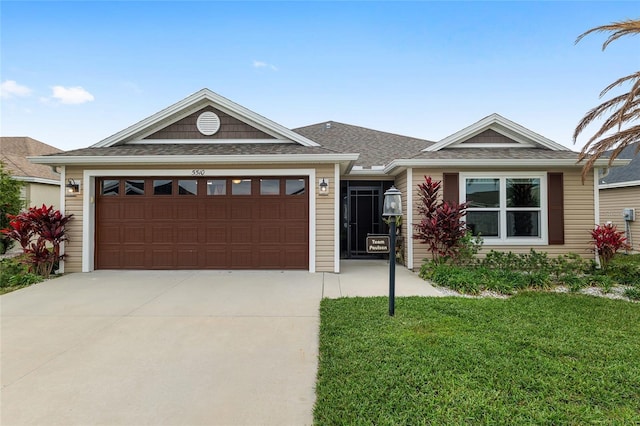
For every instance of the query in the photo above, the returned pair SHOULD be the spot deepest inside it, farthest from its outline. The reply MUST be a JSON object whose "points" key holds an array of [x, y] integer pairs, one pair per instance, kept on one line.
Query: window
{"points": [[217, 187], [507, 209], [295, 187], [241, 187], [188, 187], [110, 187], [162, 187], [269, 186], [134, 187]]}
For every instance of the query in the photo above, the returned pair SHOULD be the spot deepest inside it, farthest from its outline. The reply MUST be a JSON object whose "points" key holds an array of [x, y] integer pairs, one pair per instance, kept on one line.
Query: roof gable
{"points": [[495, 131], [169, 118]]}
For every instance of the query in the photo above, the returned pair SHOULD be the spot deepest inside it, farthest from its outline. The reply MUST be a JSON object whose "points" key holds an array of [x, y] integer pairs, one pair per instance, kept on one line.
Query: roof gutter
{"points": [[190, 159], [501, 162]]}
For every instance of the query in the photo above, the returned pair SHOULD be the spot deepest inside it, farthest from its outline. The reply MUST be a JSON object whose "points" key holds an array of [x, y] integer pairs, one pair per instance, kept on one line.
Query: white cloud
{"points": [[10, 88], [71, 95], [261, 64]]}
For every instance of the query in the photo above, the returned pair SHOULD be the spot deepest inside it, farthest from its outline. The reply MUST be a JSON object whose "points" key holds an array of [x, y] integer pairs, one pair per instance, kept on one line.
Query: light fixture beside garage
{"points": [[208, 123], [323, 186], [73, 186]]}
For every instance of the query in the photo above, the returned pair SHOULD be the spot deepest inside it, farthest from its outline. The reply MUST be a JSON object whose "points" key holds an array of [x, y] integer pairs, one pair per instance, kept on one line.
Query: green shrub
{"points": [[605, 282], [632, 293], [625, 269], [13, 273]]}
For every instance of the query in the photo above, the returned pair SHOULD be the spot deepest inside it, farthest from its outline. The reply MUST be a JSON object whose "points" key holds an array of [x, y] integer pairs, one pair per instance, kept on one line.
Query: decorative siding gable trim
{"points": [[193, 103], [521, 136]]}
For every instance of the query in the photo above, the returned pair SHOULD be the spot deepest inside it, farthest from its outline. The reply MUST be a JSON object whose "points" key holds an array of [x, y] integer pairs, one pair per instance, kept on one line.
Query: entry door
{"points": [[364, 218]]}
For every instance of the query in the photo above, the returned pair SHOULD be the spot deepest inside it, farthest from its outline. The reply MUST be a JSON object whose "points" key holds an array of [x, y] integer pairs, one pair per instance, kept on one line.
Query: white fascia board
{"points": [[501, 125], [626, 184], [29, 179], [501, 162], [197, 101], [194, 159]]}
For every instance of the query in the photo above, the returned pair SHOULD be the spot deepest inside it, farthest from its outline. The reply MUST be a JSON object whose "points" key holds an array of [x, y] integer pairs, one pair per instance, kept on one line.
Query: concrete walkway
{"points": [[172, 347]]}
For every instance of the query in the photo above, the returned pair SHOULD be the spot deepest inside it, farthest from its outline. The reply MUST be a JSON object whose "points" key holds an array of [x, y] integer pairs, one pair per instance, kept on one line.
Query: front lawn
{"points": [[535, 358]]}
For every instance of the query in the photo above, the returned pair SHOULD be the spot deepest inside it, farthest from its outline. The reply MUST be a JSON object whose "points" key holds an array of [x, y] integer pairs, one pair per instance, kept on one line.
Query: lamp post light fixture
{"points": [[392, 208]]}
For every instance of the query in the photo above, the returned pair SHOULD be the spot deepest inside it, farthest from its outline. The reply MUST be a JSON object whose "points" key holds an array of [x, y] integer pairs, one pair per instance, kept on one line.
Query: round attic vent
{"points": [[208, 123]]}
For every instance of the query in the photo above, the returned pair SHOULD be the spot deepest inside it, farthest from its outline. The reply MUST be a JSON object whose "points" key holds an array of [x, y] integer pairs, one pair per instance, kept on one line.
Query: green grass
{"points": [[536, 358]]}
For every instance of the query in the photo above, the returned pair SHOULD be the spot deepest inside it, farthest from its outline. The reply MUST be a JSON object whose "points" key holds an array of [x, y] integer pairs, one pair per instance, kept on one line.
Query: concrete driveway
{"points": [[170, 347]]}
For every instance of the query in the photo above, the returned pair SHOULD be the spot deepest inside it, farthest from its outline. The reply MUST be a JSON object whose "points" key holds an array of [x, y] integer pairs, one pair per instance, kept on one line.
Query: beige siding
{"points": [[579, 215], [325, 217], [324, 210], [38, 194], [612, 201]]}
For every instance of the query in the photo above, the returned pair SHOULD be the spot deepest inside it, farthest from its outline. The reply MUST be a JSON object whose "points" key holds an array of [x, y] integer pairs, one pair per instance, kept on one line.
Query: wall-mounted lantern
{"points": [[323, 186], [72, 186], [392, 208]]}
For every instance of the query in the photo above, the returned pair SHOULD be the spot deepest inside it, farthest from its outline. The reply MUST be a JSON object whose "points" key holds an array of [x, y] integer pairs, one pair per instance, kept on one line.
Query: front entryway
{"points": [[202, 223], [361, 216]]}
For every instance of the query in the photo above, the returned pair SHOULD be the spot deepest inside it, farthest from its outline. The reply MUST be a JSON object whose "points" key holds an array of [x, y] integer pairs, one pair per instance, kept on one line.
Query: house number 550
{"points": [[197, 172]]}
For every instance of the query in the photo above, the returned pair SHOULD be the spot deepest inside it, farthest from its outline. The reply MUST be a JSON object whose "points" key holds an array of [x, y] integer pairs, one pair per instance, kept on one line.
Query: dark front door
{"points": [[364, 209]]}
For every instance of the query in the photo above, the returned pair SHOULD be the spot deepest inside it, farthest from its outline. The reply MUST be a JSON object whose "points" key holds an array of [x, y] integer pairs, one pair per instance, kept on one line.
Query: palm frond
{"points": [[617, 29]]}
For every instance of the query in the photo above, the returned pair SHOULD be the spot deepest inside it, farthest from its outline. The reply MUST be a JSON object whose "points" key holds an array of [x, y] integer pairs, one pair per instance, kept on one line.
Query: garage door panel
{"points": [[270, 234], [296, 234], [270, 210], [217, 258], [216, 234], [161, 258], [133, 258], [216, 210], [161, 233], [110, 234], [270, 257], [133, 233], [241, 234], [242, 209], [265, 230], [187, 258], [109, 210], [296, 212], [187, 234], [162, 211], [242, 257], [133, 210], [187, 210]]}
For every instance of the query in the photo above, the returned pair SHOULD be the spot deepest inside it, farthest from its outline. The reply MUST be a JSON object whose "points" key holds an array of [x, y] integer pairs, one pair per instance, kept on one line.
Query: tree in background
{"points": [[10, 203], [620, 128]]}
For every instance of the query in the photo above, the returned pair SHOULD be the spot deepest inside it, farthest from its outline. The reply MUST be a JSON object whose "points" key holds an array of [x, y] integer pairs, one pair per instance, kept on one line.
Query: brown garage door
{"points": [[202, 223]]}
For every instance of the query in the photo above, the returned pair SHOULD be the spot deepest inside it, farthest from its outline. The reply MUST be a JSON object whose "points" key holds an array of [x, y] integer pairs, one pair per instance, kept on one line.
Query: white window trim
{"points": [[88, 219], [544, 210]]}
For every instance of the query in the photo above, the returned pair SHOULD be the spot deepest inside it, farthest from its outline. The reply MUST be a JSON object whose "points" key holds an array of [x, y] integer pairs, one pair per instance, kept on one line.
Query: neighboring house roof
{"points": [[14, 152], [628, 175], [376, 148]]}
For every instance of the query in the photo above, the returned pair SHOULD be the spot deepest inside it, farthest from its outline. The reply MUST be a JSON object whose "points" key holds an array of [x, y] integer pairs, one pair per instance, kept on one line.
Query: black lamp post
{"points": [[392, 208]]}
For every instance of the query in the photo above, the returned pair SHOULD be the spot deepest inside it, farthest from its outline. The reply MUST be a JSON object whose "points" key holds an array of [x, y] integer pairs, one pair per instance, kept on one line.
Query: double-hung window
{"points": [[508, 208]]}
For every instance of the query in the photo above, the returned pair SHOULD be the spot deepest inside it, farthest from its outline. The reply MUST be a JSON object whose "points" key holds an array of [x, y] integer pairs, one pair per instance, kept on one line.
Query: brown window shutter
{"points": [[555, 194], [450, 191]]}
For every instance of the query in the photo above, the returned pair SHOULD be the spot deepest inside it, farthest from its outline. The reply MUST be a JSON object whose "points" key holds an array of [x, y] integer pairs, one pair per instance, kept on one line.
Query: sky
{"points": [[76, 72]]}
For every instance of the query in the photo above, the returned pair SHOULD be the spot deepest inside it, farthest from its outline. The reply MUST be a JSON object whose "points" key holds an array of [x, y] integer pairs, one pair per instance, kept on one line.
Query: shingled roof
{"points": [[628, 173], [376, 148], [14, 152]]}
